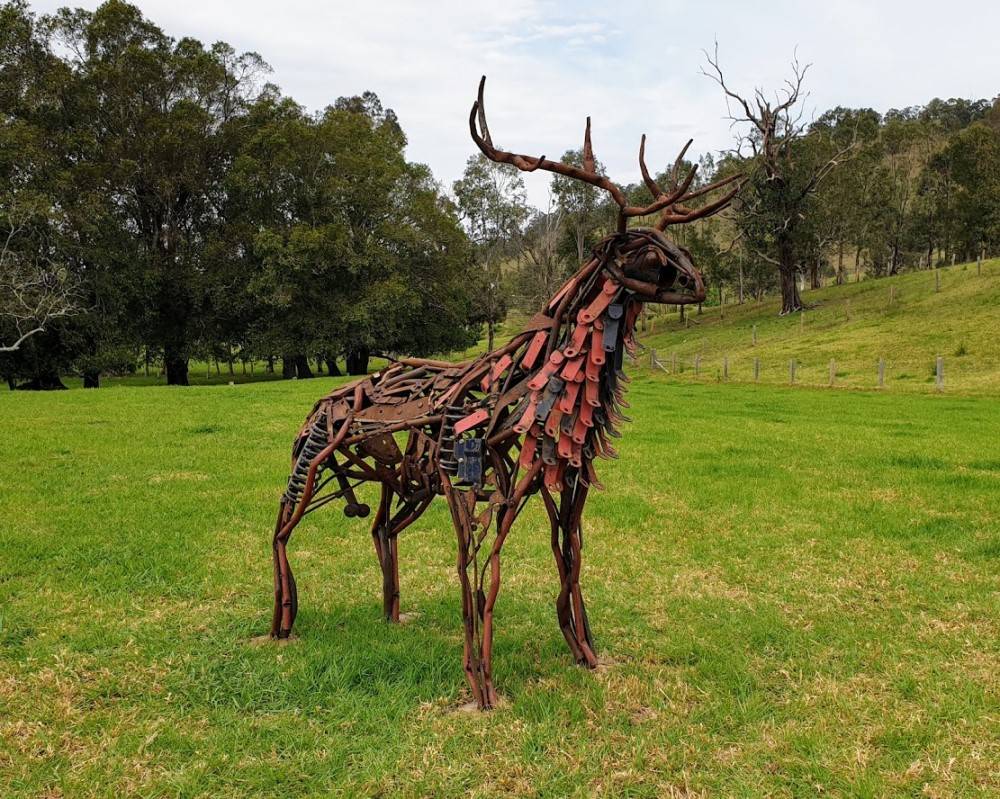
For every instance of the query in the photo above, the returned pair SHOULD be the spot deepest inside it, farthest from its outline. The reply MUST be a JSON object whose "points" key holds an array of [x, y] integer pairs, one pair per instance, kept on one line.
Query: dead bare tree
{"points": [[788, 170]]}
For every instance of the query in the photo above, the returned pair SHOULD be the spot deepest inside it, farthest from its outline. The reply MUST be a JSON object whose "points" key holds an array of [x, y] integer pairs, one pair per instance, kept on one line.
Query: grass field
{"points": [[795, 592], [902, 320]]}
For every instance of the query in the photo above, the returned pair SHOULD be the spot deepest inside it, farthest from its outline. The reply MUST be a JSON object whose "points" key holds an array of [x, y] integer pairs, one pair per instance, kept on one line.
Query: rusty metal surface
{"points": [[529, 418]]}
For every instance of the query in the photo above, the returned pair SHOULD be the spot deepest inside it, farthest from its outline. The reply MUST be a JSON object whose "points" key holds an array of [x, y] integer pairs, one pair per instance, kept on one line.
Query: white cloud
{"points": [[633, 67]]}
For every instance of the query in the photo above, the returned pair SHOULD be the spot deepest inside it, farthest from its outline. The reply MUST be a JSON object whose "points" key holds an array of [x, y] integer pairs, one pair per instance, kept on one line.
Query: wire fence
{"points": [[807, 347], [883, 373]]}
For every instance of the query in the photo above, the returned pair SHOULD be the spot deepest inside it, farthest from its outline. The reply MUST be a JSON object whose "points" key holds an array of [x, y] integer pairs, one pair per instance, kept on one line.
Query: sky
{"points": [[634, 67]]}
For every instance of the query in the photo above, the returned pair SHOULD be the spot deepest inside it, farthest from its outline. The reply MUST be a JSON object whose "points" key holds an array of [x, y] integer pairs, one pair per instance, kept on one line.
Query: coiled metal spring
{"points": [[316, 441]]}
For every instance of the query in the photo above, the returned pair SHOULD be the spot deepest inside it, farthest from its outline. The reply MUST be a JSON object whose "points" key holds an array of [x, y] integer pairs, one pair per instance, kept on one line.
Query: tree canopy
{"points": [[197, 211]]}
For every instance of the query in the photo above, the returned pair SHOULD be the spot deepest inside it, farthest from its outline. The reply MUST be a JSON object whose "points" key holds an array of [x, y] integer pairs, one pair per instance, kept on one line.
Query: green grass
{"points": [[795, 591], [855, 325]]}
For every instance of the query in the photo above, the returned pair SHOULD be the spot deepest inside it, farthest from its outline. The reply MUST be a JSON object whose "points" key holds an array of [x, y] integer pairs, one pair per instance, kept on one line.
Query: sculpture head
{"points": [[651, 266], [643, 260]]}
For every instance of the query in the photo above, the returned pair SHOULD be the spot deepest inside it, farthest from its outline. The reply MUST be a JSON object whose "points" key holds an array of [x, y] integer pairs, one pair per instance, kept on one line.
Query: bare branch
{"points": [[24, 337], [32, 291]]}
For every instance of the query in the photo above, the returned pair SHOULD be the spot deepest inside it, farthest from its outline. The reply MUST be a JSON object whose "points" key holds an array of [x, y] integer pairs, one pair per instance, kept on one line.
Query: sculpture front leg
{"points": [[480, 578], [567, 547]]}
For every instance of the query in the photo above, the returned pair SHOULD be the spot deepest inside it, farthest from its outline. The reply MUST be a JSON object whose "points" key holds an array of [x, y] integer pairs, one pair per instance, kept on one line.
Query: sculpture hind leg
{"points": [[385, 537], [567, 547], [286, 604], [289, 514], [387, 552]]}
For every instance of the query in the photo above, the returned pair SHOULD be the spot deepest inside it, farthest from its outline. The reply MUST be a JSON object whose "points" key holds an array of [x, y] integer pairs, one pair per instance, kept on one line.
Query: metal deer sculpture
{"points": [[528, 418]]}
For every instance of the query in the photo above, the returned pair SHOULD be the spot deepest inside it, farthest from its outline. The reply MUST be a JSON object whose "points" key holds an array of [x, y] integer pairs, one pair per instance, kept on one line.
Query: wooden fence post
{"points": [[881, 372], [756, 370], [652, 357], [791, 372], [848, 304], [725, 367], [939, 373], [937, 279], [833, 371], [673, 363], [755, 334], [697, 364], [979, 264]]}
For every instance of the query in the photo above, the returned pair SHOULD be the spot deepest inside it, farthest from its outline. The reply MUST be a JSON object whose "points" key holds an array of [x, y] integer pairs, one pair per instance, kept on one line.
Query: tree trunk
{"points": [[302, 367], [43, 381], [91, 378], [840, 263], [287, 367], [331, 366], [357, 361], [791, 301], [173, 312], [490, 335], [177, 368], [894, 260], [270, 365], [814, 274]]}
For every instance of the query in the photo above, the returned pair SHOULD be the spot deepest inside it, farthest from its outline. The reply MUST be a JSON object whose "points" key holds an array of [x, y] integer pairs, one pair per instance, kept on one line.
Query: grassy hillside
{"points": [[779, 614], [855, 325]]}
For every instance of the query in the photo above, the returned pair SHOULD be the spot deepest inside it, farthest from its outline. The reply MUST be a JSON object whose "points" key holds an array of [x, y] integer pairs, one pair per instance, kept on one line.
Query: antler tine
{"points": [[690, 215], [651, 184], [481, 104], [679, 161], [710, 187], [678, 191], [588, 151], [661, 198]]}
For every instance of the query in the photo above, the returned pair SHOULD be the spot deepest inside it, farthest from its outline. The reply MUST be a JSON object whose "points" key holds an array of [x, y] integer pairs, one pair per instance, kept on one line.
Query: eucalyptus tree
{"points": [[494, 208], [585, 210], [969, 165], [155, 114], [351, 248]]}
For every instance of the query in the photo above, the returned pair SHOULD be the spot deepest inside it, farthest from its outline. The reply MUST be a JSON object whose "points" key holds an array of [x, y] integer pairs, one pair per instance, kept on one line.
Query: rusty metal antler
{"points": [[529, 418], [674, 212], [588, 173]]}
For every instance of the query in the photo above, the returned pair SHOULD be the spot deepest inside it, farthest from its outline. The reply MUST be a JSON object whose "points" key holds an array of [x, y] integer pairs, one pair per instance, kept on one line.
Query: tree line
{"points": [[162, 202], [169, 204]]}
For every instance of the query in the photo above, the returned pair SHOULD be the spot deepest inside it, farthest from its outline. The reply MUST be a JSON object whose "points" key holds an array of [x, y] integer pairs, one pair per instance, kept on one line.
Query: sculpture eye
{"points": [[668, 277]]}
